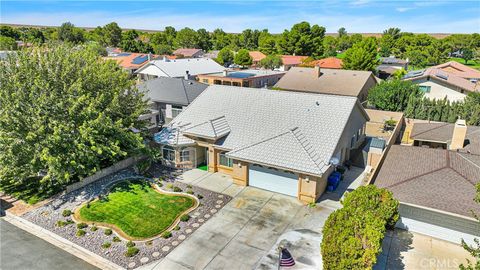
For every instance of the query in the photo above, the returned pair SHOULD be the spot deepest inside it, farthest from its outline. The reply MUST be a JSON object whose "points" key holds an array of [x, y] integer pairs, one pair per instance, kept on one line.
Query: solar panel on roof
{"points": [[414, 74], [240, 75], [123, 54], [442, 75], [139, 59]]}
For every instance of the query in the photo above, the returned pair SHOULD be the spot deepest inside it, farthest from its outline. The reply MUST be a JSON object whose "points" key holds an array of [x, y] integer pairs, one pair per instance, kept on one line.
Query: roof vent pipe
{"points": [[187, 75], [225, 73], [317, 71]]}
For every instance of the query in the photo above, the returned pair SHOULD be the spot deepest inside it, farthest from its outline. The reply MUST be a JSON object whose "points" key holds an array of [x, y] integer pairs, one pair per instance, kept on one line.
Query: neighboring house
{"points": [[131, 62], [329, 62], [178, 68], [460, 70], [188, 53], [328, 81], [170, 96], [256, 57], [281, 141], [389, 65], [211, 54], [112, 51], [289, 61], [436, 187], [439, 84], [245, 78]]}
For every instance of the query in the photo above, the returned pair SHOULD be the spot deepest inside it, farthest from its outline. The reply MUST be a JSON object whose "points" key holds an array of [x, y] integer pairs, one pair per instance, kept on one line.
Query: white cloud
{"points": [[403, 9]]}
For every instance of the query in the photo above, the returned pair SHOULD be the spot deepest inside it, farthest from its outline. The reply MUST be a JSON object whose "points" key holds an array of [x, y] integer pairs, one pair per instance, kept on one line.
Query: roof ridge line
{"points": [[444, 124], [259, 142], [303, 147], [185, 90], [213, 127]]}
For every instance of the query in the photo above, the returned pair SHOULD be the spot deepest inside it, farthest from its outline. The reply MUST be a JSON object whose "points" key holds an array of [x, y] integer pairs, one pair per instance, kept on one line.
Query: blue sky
{"points": [[234, 16]]}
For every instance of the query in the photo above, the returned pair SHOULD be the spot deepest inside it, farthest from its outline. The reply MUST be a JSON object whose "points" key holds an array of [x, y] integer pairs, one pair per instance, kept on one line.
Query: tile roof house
{"points": [[289, 61], [132, 61], [460, 70], [170, 96], [328, 81], [277, 140], [437, 83], [329, 62], [256, 57], [188, 52], [244, 77], [389, 65], [179, 68]]}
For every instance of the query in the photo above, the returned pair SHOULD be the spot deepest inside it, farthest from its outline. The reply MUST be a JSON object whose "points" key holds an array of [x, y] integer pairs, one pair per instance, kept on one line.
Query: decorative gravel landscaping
{"points": [[57, 216], [137, 209]]}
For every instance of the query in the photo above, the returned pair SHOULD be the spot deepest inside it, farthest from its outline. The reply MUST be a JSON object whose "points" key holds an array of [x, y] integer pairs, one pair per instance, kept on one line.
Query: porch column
{"points": [[212, 159]]}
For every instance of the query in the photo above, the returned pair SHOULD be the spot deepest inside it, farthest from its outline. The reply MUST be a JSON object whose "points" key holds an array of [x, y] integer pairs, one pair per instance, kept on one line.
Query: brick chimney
{"points": [[459, 134]]}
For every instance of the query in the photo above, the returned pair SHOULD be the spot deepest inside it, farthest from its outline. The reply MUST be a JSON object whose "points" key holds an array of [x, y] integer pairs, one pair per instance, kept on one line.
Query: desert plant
{"points": [[199, 196], [185, 218], [107, 231], [81, 233], [66, 212], [131, 251], [190, 191], [169, 185], [61, 223], [93, 228], [116, 239], [176, 228], [167, 234], [130, 243], [177, 189], [106, 245], [82, 225]]}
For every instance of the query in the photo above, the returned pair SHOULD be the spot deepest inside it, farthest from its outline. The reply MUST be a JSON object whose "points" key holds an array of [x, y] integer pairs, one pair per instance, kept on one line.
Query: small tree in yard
{"points": [[243, 58], [362, 56], [225, 56], [64, 114], [467, 55], [352, 235], [393, 95], [271, 62]]}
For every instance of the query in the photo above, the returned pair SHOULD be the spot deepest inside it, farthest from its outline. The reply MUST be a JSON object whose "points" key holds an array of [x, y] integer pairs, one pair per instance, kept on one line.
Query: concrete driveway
{"points": [[242, 234]]}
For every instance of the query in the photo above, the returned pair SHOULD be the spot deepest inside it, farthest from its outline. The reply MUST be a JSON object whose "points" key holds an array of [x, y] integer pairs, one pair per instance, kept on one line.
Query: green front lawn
{"points": [[137, 209]]}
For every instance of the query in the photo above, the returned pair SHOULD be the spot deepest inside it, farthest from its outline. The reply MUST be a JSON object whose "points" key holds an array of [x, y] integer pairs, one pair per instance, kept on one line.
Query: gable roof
{"points": [[262, 120], [211, 129], [256, 55], [441, 76], [459, 69], [129, 60], [331, 81], [187, 52], [179, 67], [434, 178], [329, 62], [290, 60], [172, 90]]}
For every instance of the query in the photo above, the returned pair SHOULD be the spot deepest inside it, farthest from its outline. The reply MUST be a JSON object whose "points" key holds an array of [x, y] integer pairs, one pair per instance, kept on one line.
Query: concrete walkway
{"points": [[21, 250]]}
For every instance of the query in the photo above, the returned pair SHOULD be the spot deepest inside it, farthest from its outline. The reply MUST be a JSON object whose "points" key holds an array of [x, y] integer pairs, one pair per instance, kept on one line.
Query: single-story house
{"points": [[328, 81], [178, 68], [244, 78], [289, 61], [329, 62], [211, 54], [131, 62], [188, 53], [436, 189], [460, 70], [281, 141], [389, 65], [256, 57], [438, 84], [169, 96]]}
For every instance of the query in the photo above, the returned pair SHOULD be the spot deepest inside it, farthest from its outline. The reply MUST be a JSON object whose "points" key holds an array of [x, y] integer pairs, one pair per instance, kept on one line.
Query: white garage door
{"points": [[273, 180]]}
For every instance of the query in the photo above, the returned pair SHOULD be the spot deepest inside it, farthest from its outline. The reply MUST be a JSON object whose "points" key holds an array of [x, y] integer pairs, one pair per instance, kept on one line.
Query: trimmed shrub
{"points": [[189, 186], [131, 251], [177, 189], [116, 239], [199, 196], [149, 243], [130, 243], [69, 221], [93, 228], [190, 191], [81, 233], [176, 228], [61, 223], [167, 234], [106, 245], [352, 235], [82, 225], [160, 184], [107, 231], [169, 185], [66, 212], [185, 218]]}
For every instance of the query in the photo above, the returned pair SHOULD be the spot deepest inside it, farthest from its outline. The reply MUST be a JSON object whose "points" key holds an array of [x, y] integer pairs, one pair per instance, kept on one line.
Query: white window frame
{"points": [[171, 153], [185, 155], [229, 161]]}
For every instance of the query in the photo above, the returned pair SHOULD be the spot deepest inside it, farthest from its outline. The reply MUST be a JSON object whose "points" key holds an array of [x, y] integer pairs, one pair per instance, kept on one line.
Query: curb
{"points": [[60, 242]]}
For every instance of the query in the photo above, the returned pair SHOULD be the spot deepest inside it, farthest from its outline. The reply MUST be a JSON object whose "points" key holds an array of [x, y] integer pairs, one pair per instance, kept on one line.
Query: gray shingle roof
{"points": [[178, 67], [172, 90], [434, 178], [213, 129], [262, 123]]}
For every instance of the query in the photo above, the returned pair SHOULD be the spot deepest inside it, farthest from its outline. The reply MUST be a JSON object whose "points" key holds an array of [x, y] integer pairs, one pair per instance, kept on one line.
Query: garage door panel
{"points": [[273, 180]]}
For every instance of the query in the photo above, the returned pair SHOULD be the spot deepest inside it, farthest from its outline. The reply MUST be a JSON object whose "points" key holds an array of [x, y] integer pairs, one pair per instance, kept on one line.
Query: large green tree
{"points": [[393, 95], [112, 34], [362, 56], [64, 114], [7, 43], [187, 38], [271, 62], [302, 40], [225, 56], [243, 58], [69, 33]]}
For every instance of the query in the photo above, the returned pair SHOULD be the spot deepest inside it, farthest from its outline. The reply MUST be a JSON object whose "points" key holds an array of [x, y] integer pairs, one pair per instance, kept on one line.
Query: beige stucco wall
{"points": [[439, 91], [240, 173]]}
